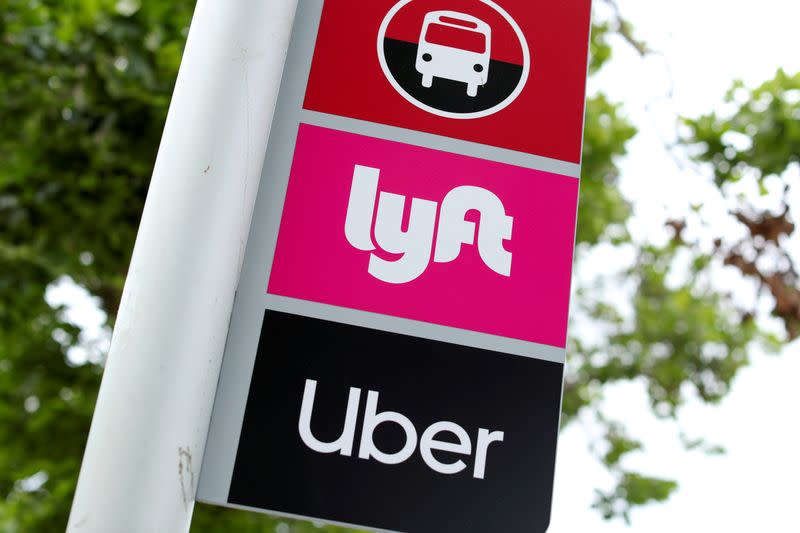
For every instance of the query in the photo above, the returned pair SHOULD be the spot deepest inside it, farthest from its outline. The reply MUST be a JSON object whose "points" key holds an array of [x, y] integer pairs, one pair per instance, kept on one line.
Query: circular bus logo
{"points": [[454, 58]]}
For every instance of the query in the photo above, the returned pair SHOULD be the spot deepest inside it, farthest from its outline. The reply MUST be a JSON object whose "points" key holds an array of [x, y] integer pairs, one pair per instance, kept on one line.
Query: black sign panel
{"points": [[396, 432]]}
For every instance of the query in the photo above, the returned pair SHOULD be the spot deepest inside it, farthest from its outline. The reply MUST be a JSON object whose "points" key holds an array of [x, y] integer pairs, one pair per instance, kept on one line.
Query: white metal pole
{"points": [[145, 446]]}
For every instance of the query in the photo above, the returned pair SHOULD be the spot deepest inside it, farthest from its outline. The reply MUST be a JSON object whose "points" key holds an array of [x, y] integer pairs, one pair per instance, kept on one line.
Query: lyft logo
{"points": [[417, 233], [415, 244]]}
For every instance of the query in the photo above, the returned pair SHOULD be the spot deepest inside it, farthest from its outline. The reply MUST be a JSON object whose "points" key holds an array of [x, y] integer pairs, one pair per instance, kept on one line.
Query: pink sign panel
{"points": [[416, 233]]}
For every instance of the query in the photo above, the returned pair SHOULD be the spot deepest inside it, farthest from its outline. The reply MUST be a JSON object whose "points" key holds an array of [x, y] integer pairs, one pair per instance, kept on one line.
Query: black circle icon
{"points": [[454, 58]]}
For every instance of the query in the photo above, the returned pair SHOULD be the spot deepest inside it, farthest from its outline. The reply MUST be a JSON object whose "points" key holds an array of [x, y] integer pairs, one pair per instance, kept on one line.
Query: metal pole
{"points": [[145, 446]]}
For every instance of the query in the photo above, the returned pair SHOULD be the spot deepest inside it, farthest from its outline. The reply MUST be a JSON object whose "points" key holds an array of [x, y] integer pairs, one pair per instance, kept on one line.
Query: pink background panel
{"points": [[314, 261]]}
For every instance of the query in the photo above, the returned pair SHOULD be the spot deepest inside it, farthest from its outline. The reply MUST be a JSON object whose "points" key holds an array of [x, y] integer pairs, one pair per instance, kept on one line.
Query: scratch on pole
{"points": [[185, 468]]}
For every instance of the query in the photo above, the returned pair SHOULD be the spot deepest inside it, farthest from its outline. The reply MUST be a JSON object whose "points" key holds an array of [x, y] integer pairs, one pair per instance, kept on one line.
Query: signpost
{"points": [[396, 350], [142, 459]]}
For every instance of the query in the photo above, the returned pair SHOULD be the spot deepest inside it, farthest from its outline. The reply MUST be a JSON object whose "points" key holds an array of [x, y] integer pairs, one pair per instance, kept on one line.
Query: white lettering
{"points": [[372, 419], [455, 230], [485, 438], [428, 443], [361, 207], [415, 244], [344, 444]]}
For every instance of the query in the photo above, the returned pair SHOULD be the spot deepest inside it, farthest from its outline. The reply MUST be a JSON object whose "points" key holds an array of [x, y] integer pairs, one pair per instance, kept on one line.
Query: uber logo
{"points": [[394, 432], [372, 419]]}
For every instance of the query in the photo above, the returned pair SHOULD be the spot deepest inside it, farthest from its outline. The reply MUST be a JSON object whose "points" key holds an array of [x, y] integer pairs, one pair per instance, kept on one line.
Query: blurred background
{"points": [[683, 365]]}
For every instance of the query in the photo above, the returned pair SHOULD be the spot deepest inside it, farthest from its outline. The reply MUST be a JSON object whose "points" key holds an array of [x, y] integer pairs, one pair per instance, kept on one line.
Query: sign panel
{"points": [[488, 246], [369, 64], [396, 351], [444, 446]]}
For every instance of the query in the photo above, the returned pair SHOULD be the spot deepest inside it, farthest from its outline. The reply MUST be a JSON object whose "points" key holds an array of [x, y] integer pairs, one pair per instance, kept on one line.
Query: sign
{"points": [[396, 351], [433, 447], [355, 72], [477, 232], [469, 46]]}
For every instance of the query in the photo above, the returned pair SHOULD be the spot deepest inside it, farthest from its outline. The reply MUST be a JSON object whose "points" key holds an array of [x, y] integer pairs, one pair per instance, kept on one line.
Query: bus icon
{"points": [[454, 46]]}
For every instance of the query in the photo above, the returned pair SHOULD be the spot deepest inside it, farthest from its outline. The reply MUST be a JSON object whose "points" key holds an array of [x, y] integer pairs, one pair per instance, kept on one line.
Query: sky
{"points": [[703, 46]]}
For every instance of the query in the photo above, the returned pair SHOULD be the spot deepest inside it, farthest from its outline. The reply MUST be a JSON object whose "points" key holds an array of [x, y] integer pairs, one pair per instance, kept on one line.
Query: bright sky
{"points": [[754, 487]]}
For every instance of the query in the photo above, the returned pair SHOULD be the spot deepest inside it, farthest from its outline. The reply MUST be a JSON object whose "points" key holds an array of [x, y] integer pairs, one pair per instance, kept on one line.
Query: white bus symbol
{"points": [[454, 46]]}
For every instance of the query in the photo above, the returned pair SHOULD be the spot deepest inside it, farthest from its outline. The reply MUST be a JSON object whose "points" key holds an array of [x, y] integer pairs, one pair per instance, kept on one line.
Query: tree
{"points": [[84, 91]]}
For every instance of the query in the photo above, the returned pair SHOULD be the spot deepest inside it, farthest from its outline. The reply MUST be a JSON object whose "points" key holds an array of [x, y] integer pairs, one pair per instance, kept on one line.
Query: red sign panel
{"points": [[515, 74]]}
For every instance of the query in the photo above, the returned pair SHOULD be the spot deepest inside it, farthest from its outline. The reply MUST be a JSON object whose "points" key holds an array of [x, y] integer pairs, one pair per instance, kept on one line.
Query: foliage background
{"points": [[84, 90]]}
